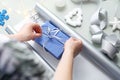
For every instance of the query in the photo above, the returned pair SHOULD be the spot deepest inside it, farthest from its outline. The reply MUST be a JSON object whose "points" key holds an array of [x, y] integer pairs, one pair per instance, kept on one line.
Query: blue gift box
{"points": [[52, 39]]}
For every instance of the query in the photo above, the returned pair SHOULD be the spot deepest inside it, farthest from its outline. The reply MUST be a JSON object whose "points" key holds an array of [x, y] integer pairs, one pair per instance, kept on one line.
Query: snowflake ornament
{"points": [[115, 24]]}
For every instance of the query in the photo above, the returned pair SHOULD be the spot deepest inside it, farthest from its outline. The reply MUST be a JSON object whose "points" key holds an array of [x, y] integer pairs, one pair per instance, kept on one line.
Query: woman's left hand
{"points": [[28, 32]]}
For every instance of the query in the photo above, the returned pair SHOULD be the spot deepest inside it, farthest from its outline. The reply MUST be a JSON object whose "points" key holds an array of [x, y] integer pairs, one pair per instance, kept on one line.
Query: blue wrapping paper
{"points": [[53, 45]]}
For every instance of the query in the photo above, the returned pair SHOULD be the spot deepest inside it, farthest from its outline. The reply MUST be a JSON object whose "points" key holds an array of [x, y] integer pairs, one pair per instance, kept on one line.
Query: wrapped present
{"points": [[52, 39]]}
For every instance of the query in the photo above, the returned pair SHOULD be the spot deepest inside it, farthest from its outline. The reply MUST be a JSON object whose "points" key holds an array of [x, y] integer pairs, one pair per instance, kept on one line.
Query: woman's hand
{"points": [[28, 32], [73, 46]]}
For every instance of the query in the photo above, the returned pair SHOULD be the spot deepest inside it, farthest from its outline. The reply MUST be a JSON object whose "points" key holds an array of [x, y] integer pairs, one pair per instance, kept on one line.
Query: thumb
{"points": [[37, 35]]}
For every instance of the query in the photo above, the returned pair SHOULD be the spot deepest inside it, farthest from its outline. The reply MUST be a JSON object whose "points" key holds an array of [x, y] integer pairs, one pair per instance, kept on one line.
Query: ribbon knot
{"points": [[52, 34]]}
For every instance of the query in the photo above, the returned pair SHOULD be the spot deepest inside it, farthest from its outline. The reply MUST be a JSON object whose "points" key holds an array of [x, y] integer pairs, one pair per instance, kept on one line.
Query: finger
{"points": [[37, 35], [37, 28]]}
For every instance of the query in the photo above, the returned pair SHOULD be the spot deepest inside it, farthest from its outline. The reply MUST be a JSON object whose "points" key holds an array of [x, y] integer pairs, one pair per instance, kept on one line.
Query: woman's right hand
{"points": [[73, 46]]}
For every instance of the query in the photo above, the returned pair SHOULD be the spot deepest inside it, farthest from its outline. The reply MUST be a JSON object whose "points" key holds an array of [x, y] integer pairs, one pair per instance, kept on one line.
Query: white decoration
{"points": [[113, 39], [115, 24], [109, 49], [94, 29], [77, 14], [60, 4], [110, 43], [100, 18], [97, 38]]}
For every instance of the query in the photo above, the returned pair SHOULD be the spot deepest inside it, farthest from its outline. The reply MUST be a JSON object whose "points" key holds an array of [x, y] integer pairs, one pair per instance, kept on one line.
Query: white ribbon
{"points": [[48, 33], [100, 18]]}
